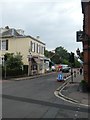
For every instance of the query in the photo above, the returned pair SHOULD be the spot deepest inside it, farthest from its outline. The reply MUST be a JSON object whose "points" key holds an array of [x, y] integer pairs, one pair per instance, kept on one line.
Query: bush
{"points": [[25, 69], [11, 72], [15, 71], [84, 85], [13, 65]]}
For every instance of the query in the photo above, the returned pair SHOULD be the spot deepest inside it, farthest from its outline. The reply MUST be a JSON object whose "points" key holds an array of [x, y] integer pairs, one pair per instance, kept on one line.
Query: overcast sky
{"points": [[55, 21]]}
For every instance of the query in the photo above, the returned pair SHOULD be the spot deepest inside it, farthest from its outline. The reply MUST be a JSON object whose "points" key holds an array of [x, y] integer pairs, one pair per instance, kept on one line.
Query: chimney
{"points": [[38, 37], [6, 27]]}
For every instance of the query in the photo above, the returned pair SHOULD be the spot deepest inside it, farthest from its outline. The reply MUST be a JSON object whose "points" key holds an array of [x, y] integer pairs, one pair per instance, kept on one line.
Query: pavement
{"points": [[72, 92], [26, 77]]}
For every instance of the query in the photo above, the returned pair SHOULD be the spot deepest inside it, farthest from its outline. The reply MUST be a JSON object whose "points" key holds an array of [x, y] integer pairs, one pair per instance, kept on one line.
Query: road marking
{"points": [[69, 99], [78, 108], [75, 115], [58, 94], [77, 111], [40, 102]]}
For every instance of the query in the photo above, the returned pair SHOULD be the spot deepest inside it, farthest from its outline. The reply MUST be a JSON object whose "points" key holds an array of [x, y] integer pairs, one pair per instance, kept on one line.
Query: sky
{"points": [[55, 21]]}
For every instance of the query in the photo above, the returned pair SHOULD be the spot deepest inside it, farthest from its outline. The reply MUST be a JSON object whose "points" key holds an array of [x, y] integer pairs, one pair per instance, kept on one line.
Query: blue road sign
{"points": [[60, 77]]}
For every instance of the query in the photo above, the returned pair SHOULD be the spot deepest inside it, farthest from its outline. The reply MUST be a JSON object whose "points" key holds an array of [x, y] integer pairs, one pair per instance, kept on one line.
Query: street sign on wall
{"points": [[79, 36]]}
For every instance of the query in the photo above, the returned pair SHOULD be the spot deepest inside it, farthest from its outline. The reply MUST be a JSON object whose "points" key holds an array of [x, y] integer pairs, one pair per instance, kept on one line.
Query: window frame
{"points": [[5, 46]]}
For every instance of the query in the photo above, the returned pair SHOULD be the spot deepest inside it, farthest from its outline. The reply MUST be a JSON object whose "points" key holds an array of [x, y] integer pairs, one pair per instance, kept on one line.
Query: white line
{"points": [[56, 94], [75, 115], [77, 111]]}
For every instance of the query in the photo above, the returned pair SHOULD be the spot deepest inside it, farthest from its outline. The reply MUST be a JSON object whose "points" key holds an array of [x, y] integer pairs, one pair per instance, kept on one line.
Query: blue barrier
{"points": [[60, 77]]}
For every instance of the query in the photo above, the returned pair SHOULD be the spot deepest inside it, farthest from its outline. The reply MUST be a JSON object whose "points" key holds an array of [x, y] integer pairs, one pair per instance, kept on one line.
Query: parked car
{"points": [[65, 68]]}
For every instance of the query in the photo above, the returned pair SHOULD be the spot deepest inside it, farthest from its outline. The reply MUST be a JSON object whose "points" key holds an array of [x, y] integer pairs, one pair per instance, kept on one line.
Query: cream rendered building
{"points": [[32, 49]]}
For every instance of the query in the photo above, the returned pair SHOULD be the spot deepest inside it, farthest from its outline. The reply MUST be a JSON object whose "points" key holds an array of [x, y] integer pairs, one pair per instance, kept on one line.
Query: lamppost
{"points": [[30, 63], [5, 65], [71, 60], [3, 61]]}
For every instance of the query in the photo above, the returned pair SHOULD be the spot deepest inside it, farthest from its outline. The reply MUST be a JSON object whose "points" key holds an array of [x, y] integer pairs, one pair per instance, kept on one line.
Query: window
{"points": [[37, 48], [43, 49], [32, 46], [3, 44]]}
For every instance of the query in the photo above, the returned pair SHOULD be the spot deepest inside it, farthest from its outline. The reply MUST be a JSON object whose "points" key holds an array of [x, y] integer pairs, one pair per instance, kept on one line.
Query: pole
{"points": [[71, 74], [29, 67], [5, 70]]}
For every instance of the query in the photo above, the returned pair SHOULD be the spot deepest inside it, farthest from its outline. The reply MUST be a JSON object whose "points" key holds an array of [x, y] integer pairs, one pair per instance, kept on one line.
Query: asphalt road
{"points": [[35, 99]]}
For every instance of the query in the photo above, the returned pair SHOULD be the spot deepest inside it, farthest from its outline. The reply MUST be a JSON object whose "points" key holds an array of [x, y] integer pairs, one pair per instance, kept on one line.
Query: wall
{"points": [[21, 45], [86, 41]]}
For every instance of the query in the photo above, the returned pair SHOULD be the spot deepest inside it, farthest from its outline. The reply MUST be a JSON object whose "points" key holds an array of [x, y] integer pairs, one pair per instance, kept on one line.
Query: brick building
{"points": [[86, 38]]}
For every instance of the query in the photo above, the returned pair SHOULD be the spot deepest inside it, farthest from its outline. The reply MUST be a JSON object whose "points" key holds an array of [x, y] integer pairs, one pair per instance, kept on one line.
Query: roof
{"points": [[13, 33], [9, 33], [35, 39]]}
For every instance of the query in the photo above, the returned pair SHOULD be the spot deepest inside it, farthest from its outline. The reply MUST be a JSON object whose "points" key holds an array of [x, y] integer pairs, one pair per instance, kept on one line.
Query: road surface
{"points": [[35, 98]]}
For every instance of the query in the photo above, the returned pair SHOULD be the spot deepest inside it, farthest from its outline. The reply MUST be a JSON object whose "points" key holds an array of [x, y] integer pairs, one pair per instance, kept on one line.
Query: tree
{"points": [[62, 52], [77, 64], [12, 65], [46, 53], [14, 61], [60, 56]]}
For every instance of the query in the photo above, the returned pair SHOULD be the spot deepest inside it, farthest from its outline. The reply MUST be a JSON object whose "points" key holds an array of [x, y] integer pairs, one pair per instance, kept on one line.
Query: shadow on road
{"points": [[29, 100]]}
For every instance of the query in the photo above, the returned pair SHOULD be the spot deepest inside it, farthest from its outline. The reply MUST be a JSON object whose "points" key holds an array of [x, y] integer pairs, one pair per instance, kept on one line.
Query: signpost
{"points": [[30, 64], [72, 61], [5, 65]]}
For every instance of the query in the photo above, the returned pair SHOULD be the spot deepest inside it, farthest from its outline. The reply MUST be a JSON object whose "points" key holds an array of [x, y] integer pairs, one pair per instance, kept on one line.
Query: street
{"points": [[35, 99]]}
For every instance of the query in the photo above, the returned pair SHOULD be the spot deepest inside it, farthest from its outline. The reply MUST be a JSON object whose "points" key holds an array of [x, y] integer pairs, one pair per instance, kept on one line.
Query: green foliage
{"points": [[83, 82], [47, 54], [61, 56], [62, 52], [13, 64], [14, 61], [84, 86], [77, 64], [65, 62], [56, 59]]}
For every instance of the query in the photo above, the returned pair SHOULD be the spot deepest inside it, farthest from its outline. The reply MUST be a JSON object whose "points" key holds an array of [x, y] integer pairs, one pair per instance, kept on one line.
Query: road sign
{"points": [[79, 36], [60, 77]]}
